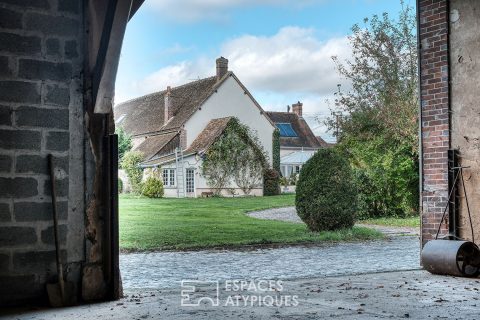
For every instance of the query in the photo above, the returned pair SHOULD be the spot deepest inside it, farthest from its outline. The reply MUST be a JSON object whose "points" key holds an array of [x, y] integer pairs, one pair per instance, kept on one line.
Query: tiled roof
{"points": [[322, 142], [203, 141], [159, 161], [208, 136], [145, 114], [153, 145], [305, 137]]}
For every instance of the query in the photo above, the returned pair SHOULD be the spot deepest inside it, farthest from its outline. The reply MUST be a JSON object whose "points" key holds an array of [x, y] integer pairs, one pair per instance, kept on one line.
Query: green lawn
{"points": [[394, 222], [164, 224]]}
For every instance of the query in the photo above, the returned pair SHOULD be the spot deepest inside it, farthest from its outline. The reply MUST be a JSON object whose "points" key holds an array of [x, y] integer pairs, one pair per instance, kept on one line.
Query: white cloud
{"points": [[189, 11], [175, 75], [291, 65], [291, 61]]}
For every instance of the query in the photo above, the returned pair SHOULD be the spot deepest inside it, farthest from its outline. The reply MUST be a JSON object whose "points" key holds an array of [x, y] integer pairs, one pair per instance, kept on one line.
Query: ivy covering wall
{"points": [[235, 157], [276, 151]]}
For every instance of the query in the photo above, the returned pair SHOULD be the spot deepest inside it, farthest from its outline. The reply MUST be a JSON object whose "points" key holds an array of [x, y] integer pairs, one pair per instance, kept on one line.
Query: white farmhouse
{"points": [[174, 128]]}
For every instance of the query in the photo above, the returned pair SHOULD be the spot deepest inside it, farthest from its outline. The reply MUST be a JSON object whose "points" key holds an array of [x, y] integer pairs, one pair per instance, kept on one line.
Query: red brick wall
{"points": [[435, 119]]}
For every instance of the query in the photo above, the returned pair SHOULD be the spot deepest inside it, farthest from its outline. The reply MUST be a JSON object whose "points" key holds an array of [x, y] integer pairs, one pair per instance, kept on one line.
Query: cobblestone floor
{"points": [[167, 269]]}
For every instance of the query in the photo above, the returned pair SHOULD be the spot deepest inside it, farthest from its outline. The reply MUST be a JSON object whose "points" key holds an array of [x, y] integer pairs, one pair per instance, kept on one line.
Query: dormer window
{"points": [[286, 130], [120, 119]]}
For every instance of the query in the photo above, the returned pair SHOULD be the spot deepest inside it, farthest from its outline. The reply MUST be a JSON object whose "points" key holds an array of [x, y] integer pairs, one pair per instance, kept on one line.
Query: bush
{"points": [[120, 185], [271, 182], [284, 181], [152, 188], [386, 176], [293, 179], [325, 195], [130, 163]]}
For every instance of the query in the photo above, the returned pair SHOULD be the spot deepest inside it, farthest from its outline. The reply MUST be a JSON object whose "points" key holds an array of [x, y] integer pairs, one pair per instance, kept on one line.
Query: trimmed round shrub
{"points": [[120, 185], [271, 182], [326, 196], [152, 188]]}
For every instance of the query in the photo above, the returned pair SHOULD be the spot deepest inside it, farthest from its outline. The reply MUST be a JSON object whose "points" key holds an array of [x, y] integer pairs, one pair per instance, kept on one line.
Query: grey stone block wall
{"points": [[41, 113]]}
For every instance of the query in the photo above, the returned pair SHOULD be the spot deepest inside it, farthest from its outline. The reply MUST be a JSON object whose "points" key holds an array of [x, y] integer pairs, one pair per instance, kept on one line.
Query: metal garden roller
{"points": [[452, 255]]}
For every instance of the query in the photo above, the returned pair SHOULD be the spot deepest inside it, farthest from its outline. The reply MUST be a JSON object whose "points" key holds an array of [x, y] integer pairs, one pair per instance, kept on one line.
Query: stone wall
{"points": [[41, 113], [465, 96], [435, 122], [450, 88]]}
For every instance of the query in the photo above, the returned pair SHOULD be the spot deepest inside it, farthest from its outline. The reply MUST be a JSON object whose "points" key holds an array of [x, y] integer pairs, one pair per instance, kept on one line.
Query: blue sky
{"points": [[280, 49]]}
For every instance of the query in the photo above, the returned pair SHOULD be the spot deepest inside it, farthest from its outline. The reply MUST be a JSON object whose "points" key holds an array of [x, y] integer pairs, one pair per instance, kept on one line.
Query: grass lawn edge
{"points": [[409, 222], [148, 225]]}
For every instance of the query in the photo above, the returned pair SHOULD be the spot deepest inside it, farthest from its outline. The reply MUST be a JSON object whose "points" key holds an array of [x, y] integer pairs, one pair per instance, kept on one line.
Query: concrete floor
{"points": [[404, 294]]}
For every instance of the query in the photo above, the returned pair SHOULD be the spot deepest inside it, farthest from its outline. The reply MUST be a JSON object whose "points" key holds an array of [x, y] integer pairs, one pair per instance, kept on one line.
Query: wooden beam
{"points": [[136, 4], [108, 57]]}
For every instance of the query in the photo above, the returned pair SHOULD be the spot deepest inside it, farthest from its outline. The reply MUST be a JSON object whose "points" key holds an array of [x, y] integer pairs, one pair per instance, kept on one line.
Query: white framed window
{"points": [[297, 169], [190, 180], [289, 171], [168, 177]]}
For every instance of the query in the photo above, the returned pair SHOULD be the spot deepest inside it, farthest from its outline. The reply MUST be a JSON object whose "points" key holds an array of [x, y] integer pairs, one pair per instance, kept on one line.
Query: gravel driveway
{"points": [[289, 214]]}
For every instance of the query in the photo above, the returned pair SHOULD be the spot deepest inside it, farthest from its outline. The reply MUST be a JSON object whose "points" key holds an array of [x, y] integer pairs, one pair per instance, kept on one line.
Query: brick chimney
{"points": [[222, 67], [297, 108], [168, 105]]}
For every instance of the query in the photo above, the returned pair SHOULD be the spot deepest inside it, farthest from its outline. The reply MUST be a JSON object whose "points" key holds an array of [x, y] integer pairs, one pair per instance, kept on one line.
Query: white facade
{"points": [[230, 100], [190, 162], [195, 183], [292, 163], [284, 151]]}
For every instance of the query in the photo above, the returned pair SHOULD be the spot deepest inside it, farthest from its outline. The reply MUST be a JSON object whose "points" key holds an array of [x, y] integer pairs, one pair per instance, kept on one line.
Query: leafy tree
{"points": [[236, 156], [386, 177], [130, 163], [379, 123], [383, 77], [124, 142]]}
